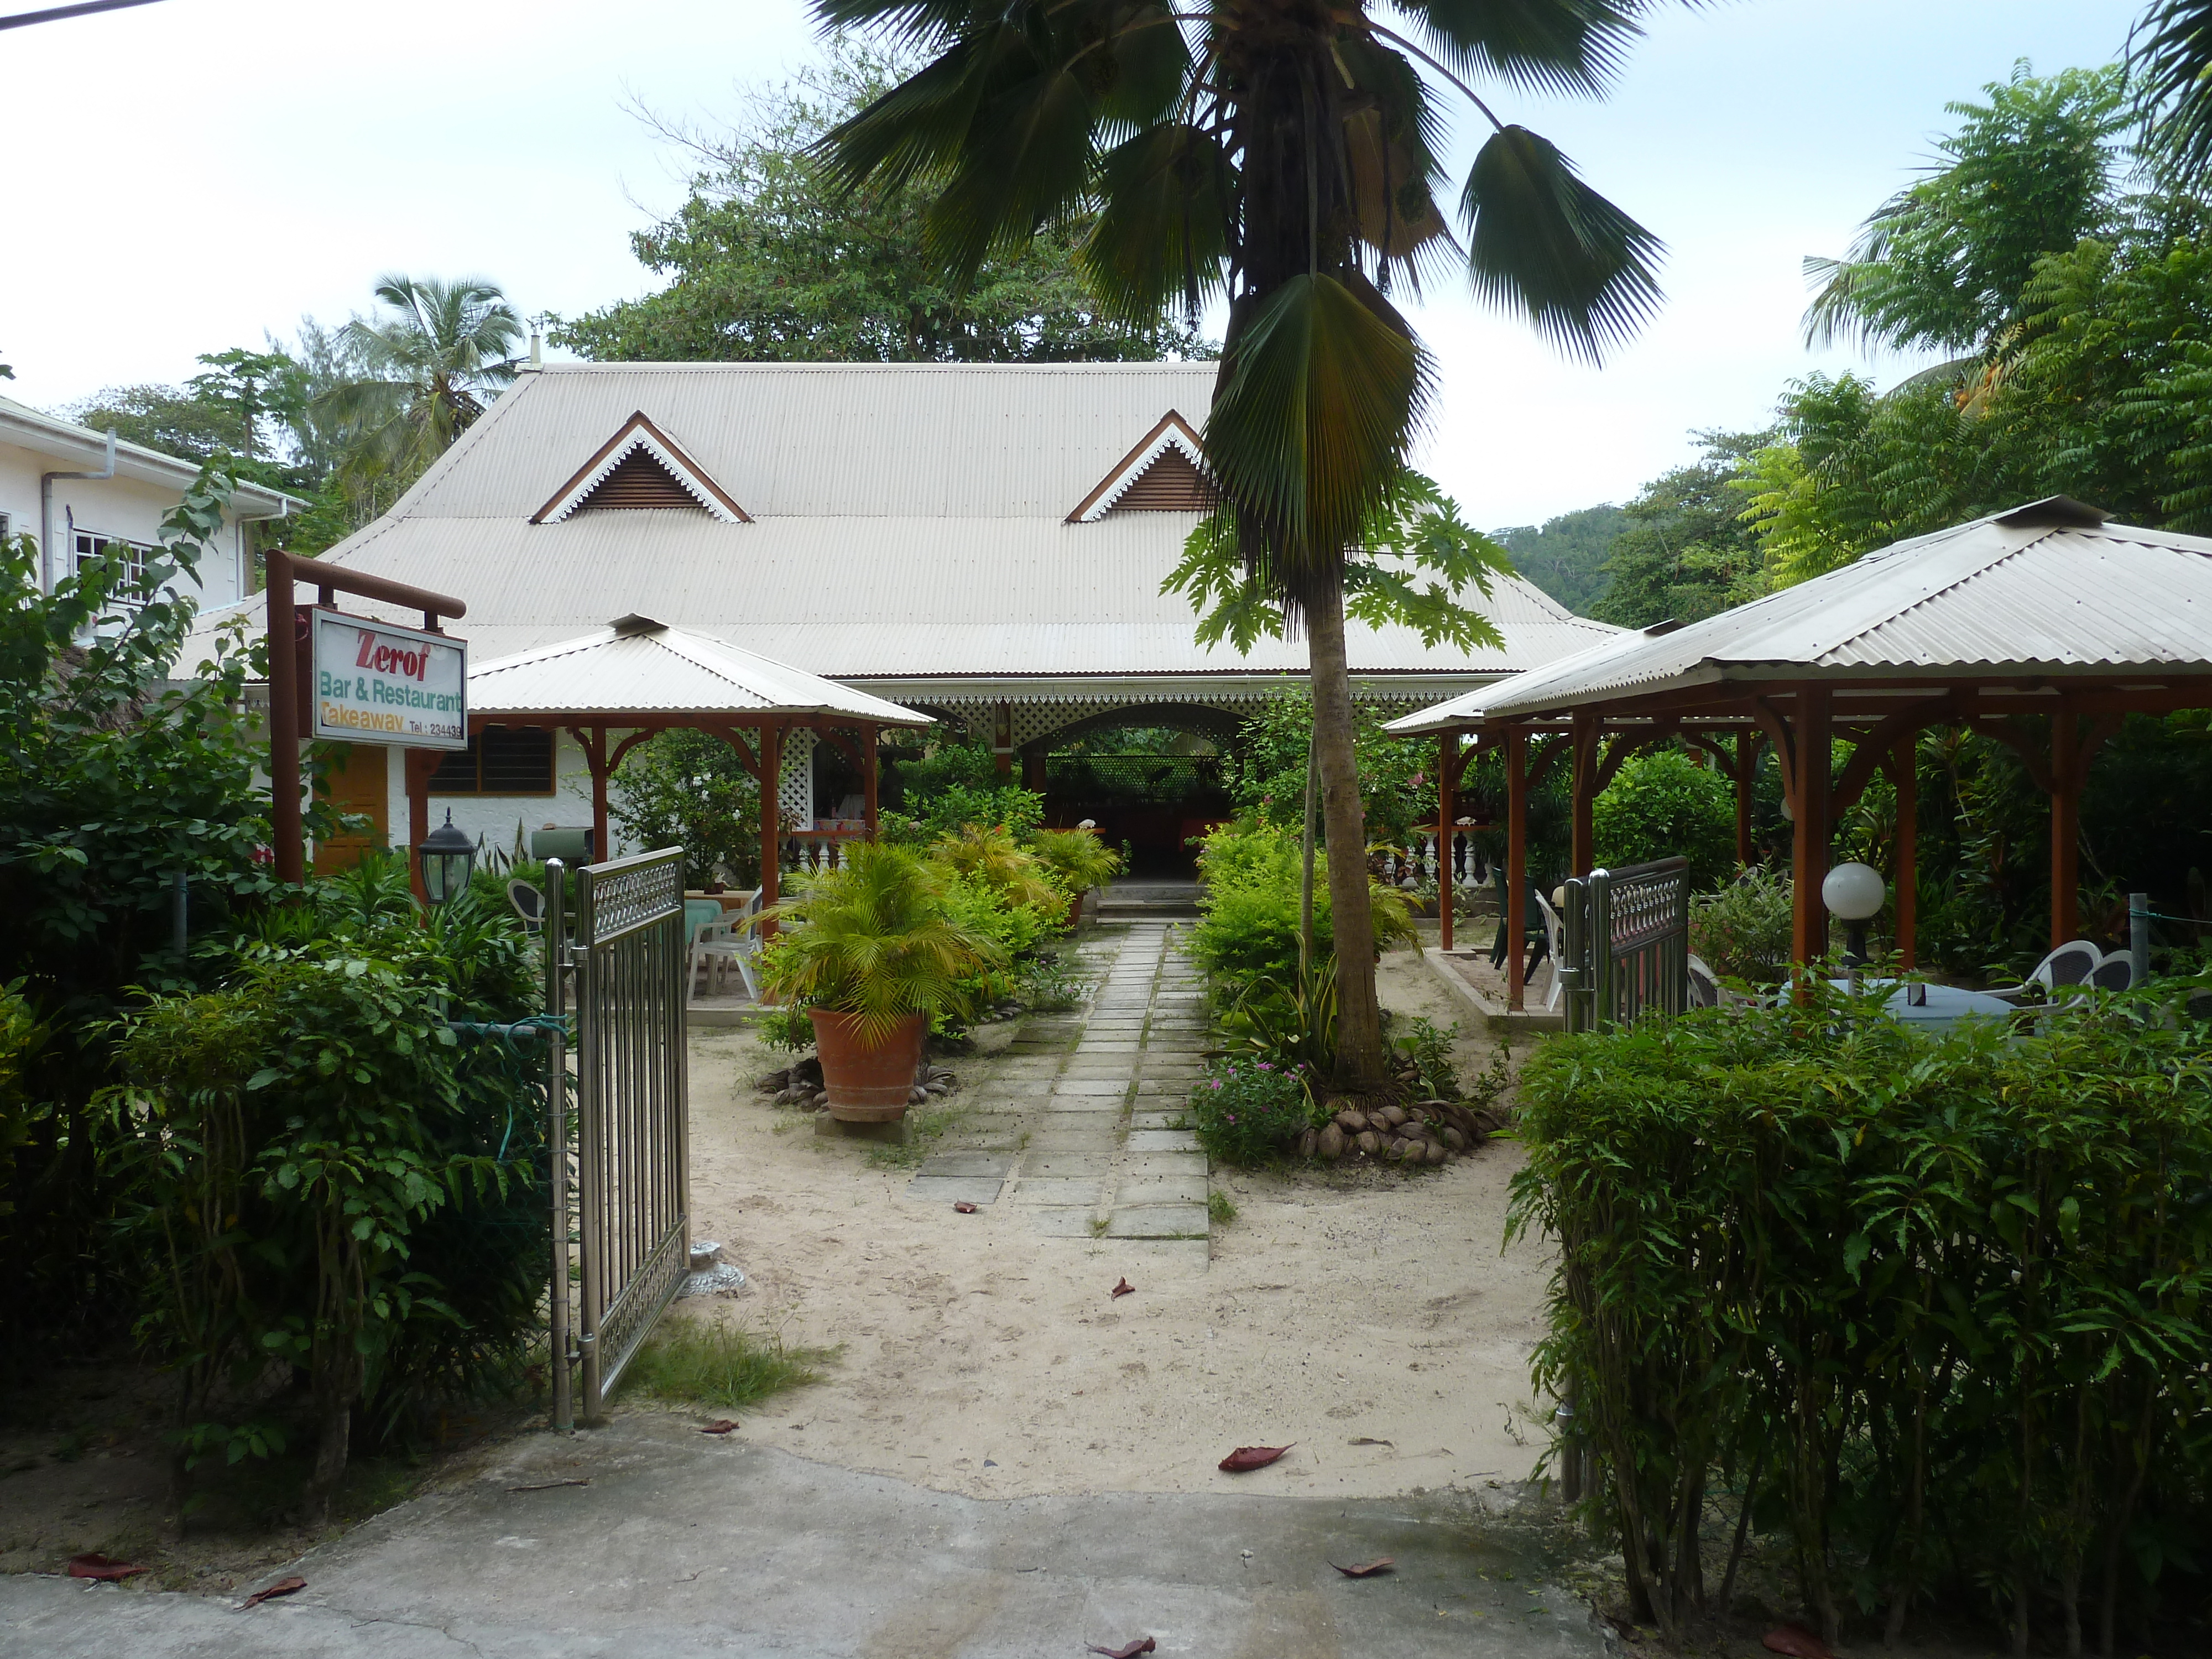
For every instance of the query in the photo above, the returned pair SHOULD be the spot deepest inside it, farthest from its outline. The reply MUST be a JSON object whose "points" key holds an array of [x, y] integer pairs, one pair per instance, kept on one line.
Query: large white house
{"points": [[983, 543], [85, 498]]}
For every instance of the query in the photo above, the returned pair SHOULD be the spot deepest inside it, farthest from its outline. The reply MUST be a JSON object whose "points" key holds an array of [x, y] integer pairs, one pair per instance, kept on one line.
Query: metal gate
{"points": [[630, 1222], [1626, 948]]}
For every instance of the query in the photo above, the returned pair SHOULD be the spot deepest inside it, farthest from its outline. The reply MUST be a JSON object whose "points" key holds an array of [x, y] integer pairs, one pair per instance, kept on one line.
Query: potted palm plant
{"points": [[868, 951], [1078, 861]]}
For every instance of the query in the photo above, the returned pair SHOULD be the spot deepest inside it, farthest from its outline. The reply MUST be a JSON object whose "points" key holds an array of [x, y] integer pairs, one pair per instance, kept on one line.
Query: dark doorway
{"points": [[1147, 785]]}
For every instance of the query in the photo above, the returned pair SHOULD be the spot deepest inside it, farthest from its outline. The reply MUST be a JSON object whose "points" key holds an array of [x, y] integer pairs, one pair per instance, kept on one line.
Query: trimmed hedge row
{"points": [[1933, 1310]]}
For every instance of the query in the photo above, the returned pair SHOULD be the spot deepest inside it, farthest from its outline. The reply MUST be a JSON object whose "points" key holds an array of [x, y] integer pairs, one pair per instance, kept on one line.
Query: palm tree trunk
{"points": [[1359, 1063]]}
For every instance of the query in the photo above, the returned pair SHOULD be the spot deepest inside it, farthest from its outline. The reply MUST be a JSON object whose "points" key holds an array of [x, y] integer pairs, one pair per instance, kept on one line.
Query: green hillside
{"points": [[1565, 555]]}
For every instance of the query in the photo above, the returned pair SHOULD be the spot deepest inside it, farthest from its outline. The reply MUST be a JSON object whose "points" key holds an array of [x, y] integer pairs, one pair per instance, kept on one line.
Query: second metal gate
{"points": [[1626, 948], [631, 1226]]}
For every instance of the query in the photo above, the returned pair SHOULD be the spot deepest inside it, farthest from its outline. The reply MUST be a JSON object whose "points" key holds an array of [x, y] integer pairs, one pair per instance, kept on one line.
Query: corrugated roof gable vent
{"points": [[1170, 484], [640, 481]]}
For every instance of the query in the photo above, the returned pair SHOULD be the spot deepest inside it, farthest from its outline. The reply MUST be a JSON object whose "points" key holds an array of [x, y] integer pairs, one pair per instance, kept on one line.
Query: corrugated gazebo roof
{"points": [[2049, 590], [636, 666]]}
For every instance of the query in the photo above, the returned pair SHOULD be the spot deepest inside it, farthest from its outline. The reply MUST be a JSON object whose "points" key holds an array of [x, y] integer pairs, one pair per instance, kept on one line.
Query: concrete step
{"points": [[1133, 901]]}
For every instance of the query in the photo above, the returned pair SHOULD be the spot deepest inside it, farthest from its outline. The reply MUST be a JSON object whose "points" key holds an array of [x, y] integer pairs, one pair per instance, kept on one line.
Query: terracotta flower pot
{"points": [[1075, 911], [867, 1085]]}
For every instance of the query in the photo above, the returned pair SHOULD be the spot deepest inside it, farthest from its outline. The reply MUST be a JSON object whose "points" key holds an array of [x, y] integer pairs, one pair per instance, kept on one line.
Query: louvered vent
{"points": [[1170, 484], [640, 481]]}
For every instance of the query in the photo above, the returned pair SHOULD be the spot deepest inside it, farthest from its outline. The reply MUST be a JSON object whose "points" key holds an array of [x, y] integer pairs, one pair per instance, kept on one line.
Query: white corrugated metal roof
{"points": [[640, 666], [2048, 589], [908, 521], [82, 447]]}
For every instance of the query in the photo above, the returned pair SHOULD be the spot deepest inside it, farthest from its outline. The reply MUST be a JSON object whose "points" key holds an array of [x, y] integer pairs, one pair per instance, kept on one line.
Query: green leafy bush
{"points": [[1247, 1111], [688, 789], [1249, 930], [323, 1173], [884, 936], [1664, 805], [1743, 931], [1939, 1305], [1421, 1041]]}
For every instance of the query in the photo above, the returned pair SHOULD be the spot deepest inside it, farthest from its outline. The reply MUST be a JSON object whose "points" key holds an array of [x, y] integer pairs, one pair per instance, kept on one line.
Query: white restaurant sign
{"points": [[376, 683]]}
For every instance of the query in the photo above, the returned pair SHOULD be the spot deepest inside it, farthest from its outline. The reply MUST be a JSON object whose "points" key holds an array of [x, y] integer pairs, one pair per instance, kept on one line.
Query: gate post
{"points": [[591, 1170], [553, 933]]}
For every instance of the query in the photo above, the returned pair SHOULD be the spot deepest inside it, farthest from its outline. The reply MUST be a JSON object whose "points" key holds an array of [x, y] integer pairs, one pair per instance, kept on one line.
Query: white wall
{"points": [[493, 817], [121, 506]]}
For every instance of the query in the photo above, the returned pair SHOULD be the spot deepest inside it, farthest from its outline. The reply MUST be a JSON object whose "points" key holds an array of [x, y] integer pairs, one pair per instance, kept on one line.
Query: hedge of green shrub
{"points": [[1663, 805], [1937, 1307]]}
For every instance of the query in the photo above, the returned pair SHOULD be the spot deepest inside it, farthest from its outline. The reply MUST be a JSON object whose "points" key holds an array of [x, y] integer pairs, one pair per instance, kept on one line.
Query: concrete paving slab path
{"points": [[680, 1548]]}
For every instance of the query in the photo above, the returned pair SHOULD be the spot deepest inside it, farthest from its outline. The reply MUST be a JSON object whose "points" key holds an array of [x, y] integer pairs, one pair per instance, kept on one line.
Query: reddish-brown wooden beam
{"points": [[1808, 863], [1539, 760], [1448, 767], [1582, 792], [1904, 775], [1746, 776], [1516, 862], [1769, 722], [1874, 746], [2064, 783], [1627, 745], [748, 757], [868, 779], [2035, 756], [771, 758], [420, 763]]}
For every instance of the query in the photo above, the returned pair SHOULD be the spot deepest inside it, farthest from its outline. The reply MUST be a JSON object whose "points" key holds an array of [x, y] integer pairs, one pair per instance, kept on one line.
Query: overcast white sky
{"points": [[183, 177]]}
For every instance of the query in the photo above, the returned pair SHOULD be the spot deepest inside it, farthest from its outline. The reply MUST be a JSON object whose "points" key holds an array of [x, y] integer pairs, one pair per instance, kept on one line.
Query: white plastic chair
{"points": [[2075, 963], [1554, 939], [724, 939]]}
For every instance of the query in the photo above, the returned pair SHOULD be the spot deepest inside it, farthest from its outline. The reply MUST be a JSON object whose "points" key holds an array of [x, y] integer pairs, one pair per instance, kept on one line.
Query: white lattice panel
{"points": [[794, 784]]}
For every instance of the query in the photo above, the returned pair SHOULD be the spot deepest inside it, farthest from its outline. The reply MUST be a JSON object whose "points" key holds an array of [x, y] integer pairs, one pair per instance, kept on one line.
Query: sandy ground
{"points": [[1370, 1317]]}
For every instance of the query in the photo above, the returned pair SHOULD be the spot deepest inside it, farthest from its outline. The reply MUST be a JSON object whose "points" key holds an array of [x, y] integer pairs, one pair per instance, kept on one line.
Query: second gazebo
{"points": [[2042, 627], [637, 676]]}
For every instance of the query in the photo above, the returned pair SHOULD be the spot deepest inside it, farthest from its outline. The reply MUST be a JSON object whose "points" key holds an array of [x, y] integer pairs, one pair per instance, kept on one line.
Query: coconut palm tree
{"points": [[2170, 67], [420, 371], [1283, 155]]}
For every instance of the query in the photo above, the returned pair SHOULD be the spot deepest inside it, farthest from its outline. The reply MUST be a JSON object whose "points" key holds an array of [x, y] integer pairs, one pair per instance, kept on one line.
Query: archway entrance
{"points": [[1150, 778]]}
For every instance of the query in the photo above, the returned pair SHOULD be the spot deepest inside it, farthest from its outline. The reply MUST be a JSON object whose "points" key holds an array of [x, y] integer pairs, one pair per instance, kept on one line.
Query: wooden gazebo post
{"points": [[1582, 759], [1747, 773], [1808, 863], [771, 761], [2065, 826], [1447, 747], [1906, 876], [868, 779], [1517, 861]]}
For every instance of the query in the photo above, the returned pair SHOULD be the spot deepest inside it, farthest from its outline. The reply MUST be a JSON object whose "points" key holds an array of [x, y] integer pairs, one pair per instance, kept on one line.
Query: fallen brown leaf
{"points": [[548, 1485], [102, 1567], [1367, 1568], [720, 1425], [964, 1208], [1796, 1641], [1142, 1645], [282, 1587], [1252, 1457], [1125, 1288]]}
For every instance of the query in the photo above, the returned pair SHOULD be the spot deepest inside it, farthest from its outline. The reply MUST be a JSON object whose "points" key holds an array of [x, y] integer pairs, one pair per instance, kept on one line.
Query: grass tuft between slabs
{"points": [[706, 1363]]}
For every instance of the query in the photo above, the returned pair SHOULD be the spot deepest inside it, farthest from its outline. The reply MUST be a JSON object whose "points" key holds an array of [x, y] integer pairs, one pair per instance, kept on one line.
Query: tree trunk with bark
{"points": [[1361, 1066]]}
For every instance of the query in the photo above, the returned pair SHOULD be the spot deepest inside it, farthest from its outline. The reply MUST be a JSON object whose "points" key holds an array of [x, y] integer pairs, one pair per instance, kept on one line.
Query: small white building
{"points": [[82, 500]]}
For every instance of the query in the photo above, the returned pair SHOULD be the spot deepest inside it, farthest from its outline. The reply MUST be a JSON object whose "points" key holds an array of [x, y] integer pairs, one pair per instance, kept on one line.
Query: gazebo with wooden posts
{"points": [[2042, 627], [637, 677]]}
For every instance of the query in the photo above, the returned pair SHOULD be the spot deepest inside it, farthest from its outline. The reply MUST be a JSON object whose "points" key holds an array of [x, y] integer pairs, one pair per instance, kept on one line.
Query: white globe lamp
{"points": [[1854, 894]]}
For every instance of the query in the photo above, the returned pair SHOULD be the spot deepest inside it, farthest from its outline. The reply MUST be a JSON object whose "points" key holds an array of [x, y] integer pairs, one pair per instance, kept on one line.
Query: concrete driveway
{"points": [[680, 1545]]}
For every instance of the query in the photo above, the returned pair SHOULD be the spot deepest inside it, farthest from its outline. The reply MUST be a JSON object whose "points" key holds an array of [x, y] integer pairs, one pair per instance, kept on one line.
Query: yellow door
{"points": [[357, 785]]}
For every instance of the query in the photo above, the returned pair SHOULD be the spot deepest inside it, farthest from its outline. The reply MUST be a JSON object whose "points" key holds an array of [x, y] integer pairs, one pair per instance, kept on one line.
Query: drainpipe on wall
{"points": [[246, 559], [46, 577]]}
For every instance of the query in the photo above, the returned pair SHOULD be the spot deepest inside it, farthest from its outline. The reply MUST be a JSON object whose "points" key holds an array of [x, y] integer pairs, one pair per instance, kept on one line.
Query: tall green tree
{"points": [[1281, 155], [1565, 555], [1685, 550], [418, 374], [2170, 73], [768, 260], [1941, 265]]}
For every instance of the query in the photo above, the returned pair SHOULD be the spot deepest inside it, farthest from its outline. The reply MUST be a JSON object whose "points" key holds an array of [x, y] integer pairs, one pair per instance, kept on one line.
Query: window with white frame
{"points": [[90, 547]]}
